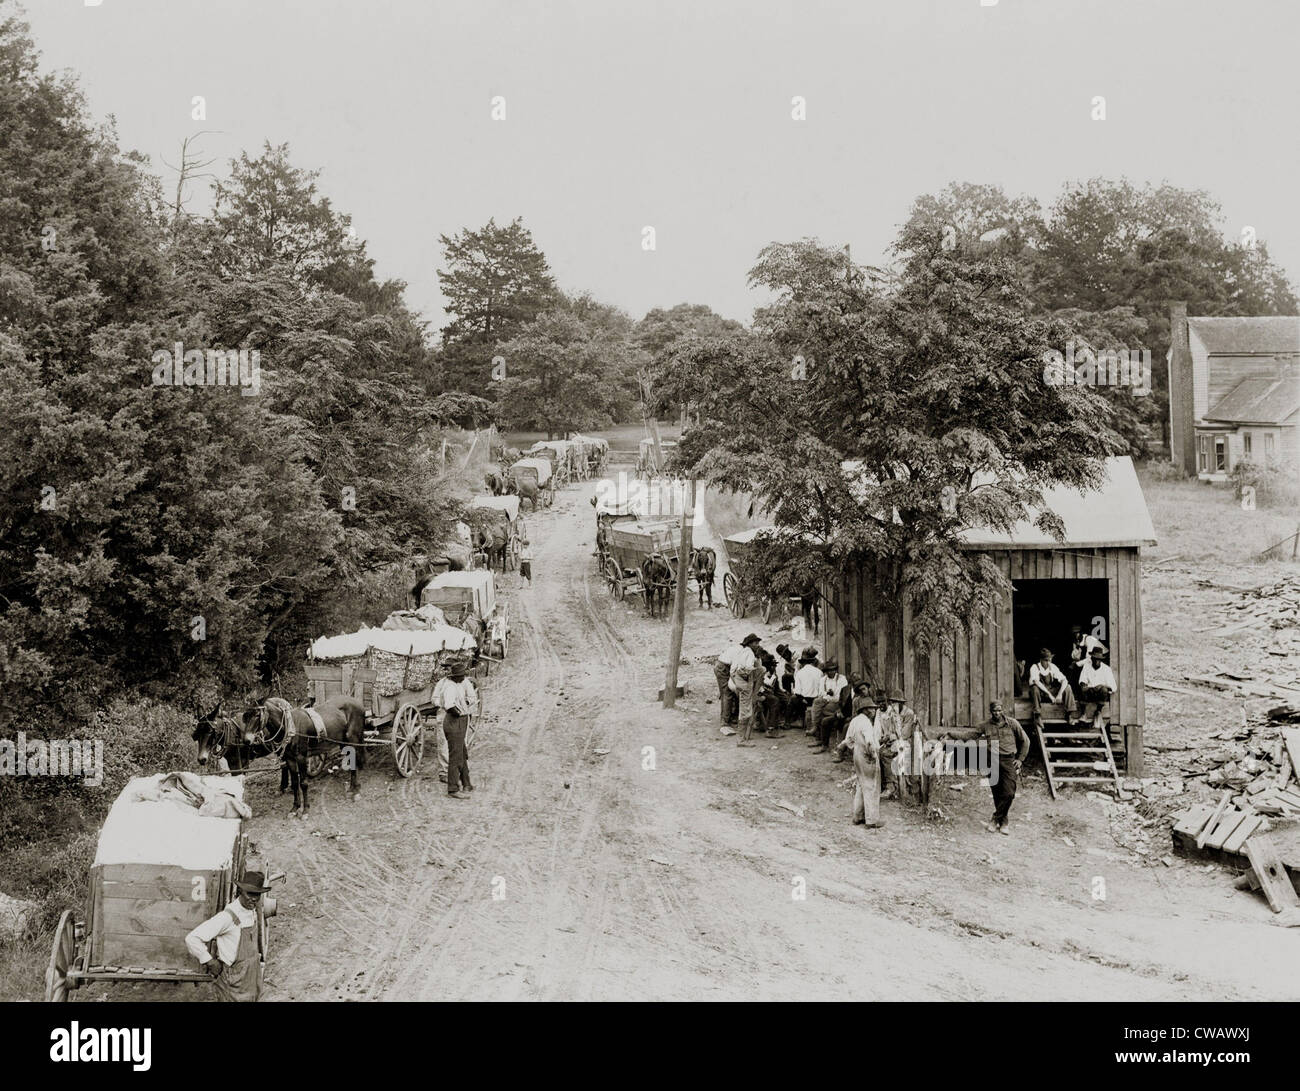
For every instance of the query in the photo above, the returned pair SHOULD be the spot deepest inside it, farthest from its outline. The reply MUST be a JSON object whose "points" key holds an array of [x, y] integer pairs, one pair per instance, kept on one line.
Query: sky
{"points": [[678, 116]]}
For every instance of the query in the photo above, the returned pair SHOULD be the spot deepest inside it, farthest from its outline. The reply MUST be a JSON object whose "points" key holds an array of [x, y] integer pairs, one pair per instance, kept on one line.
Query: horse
{"points": [[493, 541], [526, 489], [221, 737], [811, 609], [704, 564], [496, 484], [657, 580], [292, 732]]}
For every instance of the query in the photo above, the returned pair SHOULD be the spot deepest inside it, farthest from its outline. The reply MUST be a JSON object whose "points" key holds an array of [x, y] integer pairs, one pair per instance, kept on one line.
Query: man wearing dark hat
{"points": [[1008, 747], [458, 698], [226, 945], [728, 701], [833, 708]]}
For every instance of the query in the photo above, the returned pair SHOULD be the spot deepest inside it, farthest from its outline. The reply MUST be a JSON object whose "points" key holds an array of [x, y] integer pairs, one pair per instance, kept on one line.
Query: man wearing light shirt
{"points": [[1081, 647], [828, 712], [807, 686], [1047, 683], [727, 700], [236, 962], [458, 698], [1096, 684]]}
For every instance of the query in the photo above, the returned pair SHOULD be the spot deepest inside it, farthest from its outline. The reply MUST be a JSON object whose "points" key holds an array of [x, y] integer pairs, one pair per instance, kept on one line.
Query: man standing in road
{"points": [[727, 700], [458, 698], [1008, 746]]}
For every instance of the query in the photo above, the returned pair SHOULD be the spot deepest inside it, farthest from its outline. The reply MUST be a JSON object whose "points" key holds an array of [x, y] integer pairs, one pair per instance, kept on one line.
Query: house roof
{"points": [[1259, 401], [1262, 335], [1111, 516]]}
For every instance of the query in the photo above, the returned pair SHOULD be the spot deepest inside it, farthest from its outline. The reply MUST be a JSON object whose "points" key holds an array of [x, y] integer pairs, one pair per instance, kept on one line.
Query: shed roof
{"points": [[1114, 515], [1248, 336], [1259, 401]]}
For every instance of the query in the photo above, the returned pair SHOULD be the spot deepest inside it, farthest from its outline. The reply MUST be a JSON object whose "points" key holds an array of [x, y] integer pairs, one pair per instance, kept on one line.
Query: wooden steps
{"points": [[1061, 744]]}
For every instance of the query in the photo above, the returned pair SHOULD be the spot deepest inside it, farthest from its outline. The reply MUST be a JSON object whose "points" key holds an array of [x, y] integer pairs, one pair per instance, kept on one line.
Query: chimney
{"points": [[1182, 426]]}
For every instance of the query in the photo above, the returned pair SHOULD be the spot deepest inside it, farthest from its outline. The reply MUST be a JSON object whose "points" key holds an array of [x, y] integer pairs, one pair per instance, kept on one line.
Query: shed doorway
{"points": [[1043, 612]]}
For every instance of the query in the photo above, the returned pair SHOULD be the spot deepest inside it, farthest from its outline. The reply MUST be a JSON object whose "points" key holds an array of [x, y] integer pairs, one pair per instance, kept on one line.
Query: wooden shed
{"points": [[1092, 578]]}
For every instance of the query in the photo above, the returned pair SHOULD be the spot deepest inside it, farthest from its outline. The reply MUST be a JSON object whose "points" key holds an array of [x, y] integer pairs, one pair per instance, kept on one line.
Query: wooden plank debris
{"points": [[1272, 873]]}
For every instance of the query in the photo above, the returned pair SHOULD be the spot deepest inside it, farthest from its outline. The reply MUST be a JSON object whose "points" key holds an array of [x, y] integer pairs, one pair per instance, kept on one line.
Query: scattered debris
{"points": [[15, 915], [601, 751], [790, 807], [659, 860]]}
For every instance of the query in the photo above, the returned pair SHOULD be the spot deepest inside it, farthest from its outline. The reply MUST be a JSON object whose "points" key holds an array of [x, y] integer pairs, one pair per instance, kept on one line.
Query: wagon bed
{"points": [[627, 545], [160, 870]]}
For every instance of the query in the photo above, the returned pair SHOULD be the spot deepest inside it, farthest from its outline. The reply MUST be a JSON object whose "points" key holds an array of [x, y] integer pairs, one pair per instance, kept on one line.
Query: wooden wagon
{"points": [[739, 589], [457, 594], [608, 515], [596, 453], [628, 544], [393, 674], [560, 454], [539, 470], [505, 509], [161, 869]]}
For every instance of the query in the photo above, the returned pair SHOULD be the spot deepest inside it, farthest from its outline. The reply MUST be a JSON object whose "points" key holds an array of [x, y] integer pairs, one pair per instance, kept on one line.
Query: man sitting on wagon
{"points": [[226, 945]]}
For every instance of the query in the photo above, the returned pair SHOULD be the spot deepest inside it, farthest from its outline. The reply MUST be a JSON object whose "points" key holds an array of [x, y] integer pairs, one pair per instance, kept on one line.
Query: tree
{"points": [[920, 410], [496, 281], [561, 375]]}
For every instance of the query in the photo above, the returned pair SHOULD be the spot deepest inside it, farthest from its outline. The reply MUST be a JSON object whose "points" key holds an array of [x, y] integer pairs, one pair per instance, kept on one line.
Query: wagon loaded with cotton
{"points": [[167, 859], [392, 672], [561, 454]]}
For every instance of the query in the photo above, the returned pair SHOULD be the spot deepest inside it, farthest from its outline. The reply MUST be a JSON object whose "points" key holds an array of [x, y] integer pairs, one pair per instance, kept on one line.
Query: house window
{"points": [[1220, 454], [1245, 444], [1203, 454], [1268, 445]]}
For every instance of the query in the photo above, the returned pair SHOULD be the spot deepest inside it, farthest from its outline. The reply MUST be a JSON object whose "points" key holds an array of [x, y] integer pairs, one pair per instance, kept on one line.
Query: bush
{"points": [[1274, 488], [1162, 469]]}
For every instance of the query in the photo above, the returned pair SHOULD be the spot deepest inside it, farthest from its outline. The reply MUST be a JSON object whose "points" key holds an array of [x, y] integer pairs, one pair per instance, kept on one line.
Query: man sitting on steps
{"points": [[1096, 684], [1047, 683]]}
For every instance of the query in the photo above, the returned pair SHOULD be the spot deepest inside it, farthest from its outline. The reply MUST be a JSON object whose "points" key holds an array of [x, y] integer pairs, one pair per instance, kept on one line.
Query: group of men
{"points": [[1093, 677], [894, 755]]}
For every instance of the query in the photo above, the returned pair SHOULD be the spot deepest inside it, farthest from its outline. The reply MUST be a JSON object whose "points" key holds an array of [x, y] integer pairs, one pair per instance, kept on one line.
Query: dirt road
{"points": [[613, 850]]}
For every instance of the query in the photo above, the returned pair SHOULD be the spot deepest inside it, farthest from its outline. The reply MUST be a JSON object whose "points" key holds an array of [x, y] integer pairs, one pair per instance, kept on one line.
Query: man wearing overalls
{"points": [[226, 945]]}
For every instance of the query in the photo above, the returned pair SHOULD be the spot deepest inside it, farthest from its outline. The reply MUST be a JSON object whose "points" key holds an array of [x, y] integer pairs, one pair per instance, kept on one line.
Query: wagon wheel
{"points": [[732, 593], [408, 739], [615, 576], [63, 955], [316, 763]]}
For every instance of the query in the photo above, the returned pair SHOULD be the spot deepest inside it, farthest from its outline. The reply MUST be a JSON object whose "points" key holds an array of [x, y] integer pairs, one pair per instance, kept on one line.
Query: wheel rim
{"points": [[408, 739], [62, 956], [315, 763]]}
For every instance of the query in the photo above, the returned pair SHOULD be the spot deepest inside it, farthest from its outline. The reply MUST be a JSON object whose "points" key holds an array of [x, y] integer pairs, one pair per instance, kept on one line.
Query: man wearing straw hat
{"points": [[458, 698]]}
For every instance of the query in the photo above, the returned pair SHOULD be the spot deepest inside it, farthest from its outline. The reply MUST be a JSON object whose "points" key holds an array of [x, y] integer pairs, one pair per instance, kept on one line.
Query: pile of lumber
{"points": [[1255, 762], [1269, 617]]}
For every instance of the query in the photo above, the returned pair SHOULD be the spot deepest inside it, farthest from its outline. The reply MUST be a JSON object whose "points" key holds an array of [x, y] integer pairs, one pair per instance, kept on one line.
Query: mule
{"points": [[704, 566], [221, 736], [293, 734], [657, 580], [493, 542], [495, 482], [526, 489]]}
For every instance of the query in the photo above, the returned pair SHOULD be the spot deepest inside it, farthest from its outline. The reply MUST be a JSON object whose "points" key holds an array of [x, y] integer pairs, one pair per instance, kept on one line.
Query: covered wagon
{"points": [[537, 470], [503, 512], [628, 544], [167, 859], [472, 595]]}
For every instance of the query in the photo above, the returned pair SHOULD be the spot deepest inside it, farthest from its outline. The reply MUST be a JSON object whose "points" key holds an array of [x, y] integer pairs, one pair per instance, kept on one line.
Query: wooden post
{"points": [[659, 451], [679, 603]]}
